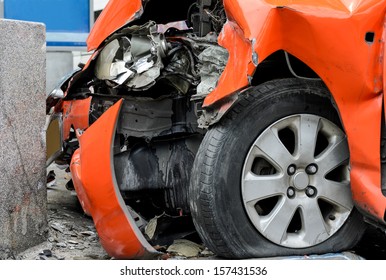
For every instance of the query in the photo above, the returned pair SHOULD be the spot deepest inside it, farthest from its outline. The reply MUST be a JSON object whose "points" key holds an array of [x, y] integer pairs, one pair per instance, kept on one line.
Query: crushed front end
{"points": [[129, 123], [151, 101]]}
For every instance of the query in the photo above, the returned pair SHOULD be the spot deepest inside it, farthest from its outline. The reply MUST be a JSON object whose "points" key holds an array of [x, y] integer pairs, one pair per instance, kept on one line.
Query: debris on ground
{"points": [[164, 229], [51, 178], [206, 253], [185, 248]]}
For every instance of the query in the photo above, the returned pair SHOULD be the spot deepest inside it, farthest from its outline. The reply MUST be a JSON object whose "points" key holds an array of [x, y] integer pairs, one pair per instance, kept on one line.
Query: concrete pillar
{"points": [[23, 213]]}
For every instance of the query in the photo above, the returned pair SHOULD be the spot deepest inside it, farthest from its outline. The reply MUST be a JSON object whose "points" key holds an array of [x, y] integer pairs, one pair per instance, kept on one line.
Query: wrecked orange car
{"points": [[259, 124]]}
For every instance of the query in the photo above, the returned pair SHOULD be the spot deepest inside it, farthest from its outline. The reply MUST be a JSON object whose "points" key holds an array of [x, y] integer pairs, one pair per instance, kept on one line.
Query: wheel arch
{"points": [[281, 64], [348, 93], [365, 164]]}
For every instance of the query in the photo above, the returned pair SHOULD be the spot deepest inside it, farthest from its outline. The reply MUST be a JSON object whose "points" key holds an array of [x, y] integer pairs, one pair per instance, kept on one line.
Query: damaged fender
{"points": [[99, 195], [239, 66], [353, 72]]}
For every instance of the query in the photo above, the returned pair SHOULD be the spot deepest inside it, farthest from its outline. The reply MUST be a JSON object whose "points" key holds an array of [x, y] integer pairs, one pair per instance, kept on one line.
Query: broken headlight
{"points": [[134, 59]]}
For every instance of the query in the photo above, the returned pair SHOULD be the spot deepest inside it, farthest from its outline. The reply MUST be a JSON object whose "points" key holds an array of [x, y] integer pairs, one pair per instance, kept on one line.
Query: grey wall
{"points": [[59, 64], [23, 219]]}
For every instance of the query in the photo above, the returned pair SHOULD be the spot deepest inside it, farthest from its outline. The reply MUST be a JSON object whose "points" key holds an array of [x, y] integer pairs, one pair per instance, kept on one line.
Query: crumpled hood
{"points": [[346, 6], [119, 12]]}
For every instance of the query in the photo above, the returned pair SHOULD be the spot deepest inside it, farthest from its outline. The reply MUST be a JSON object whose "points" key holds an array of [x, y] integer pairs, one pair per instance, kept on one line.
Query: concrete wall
{"points": [[23, 214]]}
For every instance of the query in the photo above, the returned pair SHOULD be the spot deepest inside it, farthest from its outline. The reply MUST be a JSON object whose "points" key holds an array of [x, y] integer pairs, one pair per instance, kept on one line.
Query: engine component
{"points": [[133, 58], [212, 63], [209, 16]]}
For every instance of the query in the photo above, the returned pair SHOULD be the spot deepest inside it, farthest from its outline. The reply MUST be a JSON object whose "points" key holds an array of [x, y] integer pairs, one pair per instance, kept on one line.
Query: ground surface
{"points": [[72, 235]]}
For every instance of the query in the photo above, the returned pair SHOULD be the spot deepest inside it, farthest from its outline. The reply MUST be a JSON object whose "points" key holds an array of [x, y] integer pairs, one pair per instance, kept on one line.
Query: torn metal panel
{"points": [[75, 115], [134, 58], [236, 73], [210, 117]]}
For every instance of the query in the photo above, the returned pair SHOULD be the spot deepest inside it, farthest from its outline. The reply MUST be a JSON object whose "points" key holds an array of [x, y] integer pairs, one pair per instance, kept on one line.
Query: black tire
{"points": [[215, 195]]}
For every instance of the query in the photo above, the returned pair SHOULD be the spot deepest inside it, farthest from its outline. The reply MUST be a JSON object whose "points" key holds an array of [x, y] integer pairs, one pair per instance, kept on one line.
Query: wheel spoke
{"points": [[314, 227], [260, 187], [275, 225], [337, 193], [307, 134], [272, 149], [334, 156]]}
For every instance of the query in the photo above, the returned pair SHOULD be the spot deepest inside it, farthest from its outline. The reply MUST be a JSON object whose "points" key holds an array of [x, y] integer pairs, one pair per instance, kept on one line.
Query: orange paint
{"points": [[114, 15], [76, 115], [235, 75], [76, 174], [99, 194], [328, 36]]}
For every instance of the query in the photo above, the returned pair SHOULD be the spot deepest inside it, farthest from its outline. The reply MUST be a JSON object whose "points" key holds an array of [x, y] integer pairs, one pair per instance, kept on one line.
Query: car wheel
{"points": [[272, 178]]}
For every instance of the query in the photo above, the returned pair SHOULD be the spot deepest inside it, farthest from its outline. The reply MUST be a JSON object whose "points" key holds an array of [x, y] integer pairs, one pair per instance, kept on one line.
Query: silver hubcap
{"points": [[295, 181]]}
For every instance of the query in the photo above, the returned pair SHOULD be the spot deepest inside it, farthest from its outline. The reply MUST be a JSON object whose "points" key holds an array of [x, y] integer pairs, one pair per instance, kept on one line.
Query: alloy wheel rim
{"points": [[295, 181]]}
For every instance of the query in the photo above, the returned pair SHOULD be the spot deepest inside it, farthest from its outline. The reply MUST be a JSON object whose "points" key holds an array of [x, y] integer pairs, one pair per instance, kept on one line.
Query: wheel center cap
{"points": [[301, 180]]}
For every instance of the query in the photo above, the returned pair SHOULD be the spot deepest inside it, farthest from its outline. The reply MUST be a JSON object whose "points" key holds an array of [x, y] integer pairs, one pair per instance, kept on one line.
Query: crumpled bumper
{"points": [[95, 183]]}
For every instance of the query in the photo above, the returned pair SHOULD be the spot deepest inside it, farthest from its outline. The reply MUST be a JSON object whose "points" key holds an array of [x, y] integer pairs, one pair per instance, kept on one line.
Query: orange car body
{"points": [[341, 41]]}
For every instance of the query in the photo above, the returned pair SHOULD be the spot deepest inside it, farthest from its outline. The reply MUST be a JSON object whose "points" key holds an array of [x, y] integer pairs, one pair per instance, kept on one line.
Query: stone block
{"points": [[23, 213]]}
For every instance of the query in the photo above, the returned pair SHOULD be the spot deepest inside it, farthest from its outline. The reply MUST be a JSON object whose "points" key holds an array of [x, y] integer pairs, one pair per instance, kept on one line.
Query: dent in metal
{"points": [[210, 117], [235, 75]]}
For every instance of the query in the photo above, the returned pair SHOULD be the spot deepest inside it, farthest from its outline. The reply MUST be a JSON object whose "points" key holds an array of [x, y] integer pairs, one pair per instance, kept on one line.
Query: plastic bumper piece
{"points": [[95, 183]]}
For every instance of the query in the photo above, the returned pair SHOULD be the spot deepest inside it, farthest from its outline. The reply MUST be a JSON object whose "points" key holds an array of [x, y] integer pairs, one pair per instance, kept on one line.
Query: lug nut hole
{"points": [[311, 169], [310, 191], [291, 192], [291, 169]]}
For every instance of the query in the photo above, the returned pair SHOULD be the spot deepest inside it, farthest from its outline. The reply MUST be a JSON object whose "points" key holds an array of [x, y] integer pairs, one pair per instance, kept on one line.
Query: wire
{"points": [[293, 72]]}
